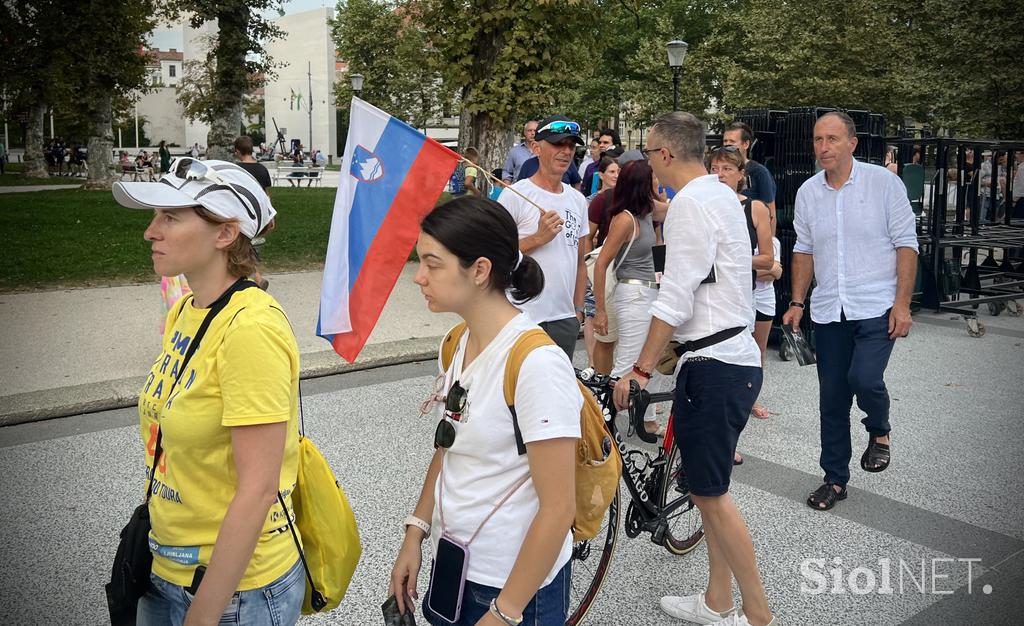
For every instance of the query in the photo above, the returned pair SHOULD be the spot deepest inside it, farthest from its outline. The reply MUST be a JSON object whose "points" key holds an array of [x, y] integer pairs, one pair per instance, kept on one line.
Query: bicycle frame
{"points": [[652, 516]]}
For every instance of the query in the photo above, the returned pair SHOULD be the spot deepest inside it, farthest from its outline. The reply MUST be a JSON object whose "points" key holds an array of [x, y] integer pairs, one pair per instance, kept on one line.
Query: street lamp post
{"points": [[676, 55], [357, 83]]}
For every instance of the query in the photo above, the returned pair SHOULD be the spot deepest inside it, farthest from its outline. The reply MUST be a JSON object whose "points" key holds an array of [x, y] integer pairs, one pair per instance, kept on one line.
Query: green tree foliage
{"points": [[49, 66], [382, 42], [237, 61], [506, 59], [958, 65]]}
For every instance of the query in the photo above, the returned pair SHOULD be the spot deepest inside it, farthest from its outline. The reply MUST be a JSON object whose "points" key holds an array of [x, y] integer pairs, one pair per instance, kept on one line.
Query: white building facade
{"points": [[307, 77]]}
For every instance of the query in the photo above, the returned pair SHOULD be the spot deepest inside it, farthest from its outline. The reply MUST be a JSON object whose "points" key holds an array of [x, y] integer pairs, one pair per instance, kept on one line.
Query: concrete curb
{"points": [[35, 406]]}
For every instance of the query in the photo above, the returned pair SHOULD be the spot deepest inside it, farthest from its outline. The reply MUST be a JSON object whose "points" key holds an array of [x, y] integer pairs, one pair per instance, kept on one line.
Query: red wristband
{"points": [[641, 372]]}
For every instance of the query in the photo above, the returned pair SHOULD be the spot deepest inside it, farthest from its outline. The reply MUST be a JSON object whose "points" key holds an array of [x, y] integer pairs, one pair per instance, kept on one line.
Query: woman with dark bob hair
{"points": [[497, 518]]}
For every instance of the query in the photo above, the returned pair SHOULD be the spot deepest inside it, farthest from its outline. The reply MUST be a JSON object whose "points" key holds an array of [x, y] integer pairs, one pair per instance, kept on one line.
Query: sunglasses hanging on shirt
{"points": [[454, 411]]}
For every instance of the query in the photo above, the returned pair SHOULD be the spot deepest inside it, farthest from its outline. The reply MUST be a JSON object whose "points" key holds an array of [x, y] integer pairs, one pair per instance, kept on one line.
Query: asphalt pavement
{"points": [[938, 538]]}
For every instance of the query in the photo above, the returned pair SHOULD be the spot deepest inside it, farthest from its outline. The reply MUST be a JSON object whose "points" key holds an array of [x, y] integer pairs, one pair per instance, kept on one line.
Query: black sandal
{"points": [[826, 495], [876, 457]]}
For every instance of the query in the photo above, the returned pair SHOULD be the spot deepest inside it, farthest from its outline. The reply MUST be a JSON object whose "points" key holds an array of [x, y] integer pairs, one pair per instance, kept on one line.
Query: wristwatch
{"points": [[412, 520], [798, 305]]}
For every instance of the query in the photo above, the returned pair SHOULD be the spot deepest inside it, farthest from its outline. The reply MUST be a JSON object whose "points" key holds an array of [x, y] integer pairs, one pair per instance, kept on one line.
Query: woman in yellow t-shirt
{"points": [[225, 421]]}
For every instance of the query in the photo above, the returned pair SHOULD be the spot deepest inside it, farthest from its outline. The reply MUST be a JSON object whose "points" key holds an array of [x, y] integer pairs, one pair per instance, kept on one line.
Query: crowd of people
{"points": [[65, 160], [684, 254]]}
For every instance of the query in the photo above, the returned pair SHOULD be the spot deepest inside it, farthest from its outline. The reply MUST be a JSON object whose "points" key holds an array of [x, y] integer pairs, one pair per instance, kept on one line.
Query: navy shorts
{"points": [[712, 404]]}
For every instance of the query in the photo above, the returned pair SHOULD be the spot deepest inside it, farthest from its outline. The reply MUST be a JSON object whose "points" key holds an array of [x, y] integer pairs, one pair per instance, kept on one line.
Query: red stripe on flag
{"points": [[390, 248]]}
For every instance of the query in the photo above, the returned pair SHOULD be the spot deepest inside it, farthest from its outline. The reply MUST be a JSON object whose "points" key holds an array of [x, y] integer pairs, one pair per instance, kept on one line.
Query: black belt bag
{"points": [[667, 363]]}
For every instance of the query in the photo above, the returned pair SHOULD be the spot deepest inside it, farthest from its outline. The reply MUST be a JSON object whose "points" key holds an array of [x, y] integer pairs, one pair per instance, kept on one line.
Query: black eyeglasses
{"points": [[647, 152], [454, 406], [724, 149]]}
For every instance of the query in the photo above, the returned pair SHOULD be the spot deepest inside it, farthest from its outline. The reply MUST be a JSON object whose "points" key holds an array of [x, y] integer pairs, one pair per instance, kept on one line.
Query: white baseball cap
{"points": [[222, 188]]}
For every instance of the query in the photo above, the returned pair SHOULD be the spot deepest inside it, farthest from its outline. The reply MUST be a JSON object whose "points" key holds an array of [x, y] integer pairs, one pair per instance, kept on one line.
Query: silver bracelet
{"points": [[510, 621]]}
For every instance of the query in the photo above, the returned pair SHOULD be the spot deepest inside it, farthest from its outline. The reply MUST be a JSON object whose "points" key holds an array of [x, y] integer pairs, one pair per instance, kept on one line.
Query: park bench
{"points": [[298, 174]]}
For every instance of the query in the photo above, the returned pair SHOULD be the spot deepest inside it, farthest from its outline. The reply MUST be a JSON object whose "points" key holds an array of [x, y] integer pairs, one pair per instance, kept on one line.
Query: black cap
{"points": [[550, 135]]}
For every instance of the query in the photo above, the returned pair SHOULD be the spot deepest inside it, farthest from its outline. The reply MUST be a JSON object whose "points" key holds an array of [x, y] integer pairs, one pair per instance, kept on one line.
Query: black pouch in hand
{"points": [[129, 577], [391, 615]]}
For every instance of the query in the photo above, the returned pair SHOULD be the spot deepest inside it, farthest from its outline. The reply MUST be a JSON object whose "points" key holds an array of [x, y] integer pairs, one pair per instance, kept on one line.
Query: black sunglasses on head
{"points": [[454, 405]]}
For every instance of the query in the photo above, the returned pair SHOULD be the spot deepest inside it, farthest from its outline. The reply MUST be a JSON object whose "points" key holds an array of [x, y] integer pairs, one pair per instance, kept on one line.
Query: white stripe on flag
{"points": [[366, 125]]}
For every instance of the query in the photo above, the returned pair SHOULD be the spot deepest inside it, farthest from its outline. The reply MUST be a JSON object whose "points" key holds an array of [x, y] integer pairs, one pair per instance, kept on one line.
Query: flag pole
{"points": [[501, 183]]}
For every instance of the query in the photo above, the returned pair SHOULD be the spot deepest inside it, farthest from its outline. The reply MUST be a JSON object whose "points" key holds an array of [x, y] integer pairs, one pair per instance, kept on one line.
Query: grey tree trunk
{"points": [[492, 140], [35, 163], [229, 80], [101, 145], [220, 140]]}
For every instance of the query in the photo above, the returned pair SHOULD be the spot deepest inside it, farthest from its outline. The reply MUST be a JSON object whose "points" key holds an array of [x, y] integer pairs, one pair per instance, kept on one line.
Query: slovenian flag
{"points": [[391, 177]]}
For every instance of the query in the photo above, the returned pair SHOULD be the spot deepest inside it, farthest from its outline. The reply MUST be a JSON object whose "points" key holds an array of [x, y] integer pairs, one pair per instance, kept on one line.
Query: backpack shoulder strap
{"points": [[450, 344], [523, 346]]}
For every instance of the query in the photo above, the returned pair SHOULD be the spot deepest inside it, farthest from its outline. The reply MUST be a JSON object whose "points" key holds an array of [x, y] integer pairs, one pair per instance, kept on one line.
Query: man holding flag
{"points": [[551, 217]]}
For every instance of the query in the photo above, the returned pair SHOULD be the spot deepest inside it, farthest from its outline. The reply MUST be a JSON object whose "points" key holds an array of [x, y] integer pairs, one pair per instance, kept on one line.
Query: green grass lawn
{"points": [[14, 176], [79, 238]]}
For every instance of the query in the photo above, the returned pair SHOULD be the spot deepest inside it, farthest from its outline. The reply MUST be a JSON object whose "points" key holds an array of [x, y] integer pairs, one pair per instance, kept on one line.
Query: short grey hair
{"points": [[682, 133], [851, 127]]}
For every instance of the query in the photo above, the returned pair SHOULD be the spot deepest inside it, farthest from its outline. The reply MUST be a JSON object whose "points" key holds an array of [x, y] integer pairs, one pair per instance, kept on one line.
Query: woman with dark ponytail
{"points": [[480, 487]]}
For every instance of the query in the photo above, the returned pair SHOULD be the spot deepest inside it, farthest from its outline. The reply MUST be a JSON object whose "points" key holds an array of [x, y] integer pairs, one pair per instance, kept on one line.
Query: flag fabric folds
{"points": [[391, 177]]}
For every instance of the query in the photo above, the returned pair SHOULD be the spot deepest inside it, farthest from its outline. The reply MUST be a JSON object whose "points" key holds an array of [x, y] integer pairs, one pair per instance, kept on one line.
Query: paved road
{"points": [[951, 493]]}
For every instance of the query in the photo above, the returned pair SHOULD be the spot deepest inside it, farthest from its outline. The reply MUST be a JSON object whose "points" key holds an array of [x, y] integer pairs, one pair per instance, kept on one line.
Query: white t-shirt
{"points": [[558, 258], [483, 464]]}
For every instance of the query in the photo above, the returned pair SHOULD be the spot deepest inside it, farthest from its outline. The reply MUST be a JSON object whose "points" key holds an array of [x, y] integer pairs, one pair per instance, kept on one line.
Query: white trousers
{"points": [[633, 309]]}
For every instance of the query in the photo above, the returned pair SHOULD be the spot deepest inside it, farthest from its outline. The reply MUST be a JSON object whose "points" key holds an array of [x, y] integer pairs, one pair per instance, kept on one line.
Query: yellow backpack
{"points": [[598, 463], [330, 538]]}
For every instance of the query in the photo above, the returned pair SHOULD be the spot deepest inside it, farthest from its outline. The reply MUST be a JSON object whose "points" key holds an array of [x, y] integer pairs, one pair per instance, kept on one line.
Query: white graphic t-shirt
{"points": [[558, 258]]}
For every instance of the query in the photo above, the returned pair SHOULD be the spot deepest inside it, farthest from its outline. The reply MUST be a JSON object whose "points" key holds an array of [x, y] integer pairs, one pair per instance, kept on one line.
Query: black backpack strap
{"points": [[520, 446], [215, 308]]}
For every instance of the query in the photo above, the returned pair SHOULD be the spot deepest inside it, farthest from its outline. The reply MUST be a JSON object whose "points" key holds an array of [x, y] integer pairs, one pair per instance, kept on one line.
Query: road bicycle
{"points": [[659, 504]]}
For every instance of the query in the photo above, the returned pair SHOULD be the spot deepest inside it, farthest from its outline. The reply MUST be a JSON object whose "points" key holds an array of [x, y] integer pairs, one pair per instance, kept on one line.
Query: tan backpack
{"points": [[598, 463]]}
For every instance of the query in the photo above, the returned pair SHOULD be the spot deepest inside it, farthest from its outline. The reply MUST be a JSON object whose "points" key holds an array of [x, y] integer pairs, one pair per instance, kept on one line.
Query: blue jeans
{"points": [[277, 604], [549, 607], [852, 356]]}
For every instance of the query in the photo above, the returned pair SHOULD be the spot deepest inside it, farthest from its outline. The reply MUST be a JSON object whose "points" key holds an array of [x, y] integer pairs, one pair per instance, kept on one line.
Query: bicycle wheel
{"points": [[685, 529], [590, 563]]}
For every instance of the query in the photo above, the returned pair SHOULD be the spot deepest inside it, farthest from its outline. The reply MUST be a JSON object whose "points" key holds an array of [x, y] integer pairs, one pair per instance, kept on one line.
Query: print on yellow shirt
{"points": [[246, 372]]}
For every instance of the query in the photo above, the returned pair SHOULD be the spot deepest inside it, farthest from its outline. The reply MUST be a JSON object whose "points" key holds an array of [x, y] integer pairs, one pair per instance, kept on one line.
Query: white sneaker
{"points": [[738, 620], [693, 609]]}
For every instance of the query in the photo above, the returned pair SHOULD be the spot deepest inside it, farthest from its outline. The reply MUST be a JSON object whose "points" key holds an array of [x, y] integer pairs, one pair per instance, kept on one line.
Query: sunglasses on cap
{"points": [[193, 169], [454, 406], [558, 128]]}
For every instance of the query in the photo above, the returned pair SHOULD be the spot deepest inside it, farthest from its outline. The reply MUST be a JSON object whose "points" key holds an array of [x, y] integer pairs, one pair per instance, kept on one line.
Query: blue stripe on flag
{"points": [[397, 148]]}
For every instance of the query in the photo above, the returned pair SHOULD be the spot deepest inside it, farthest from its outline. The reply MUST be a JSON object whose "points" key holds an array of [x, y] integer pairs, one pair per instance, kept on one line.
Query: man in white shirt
{"points": [[519, 153], [856, 235], [705, 303], [552, 221]]}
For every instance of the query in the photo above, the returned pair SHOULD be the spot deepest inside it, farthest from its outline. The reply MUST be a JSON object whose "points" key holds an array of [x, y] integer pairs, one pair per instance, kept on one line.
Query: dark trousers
{"points": [[564, 333], [852, 356]]}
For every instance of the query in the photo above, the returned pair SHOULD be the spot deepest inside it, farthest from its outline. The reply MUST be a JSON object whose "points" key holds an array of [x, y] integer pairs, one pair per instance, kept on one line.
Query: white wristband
{"points": [[412, 520]]}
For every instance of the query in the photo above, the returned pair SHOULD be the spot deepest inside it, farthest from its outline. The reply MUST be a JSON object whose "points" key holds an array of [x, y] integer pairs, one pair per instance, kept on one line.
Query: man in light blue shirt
{"points": [[856, 236], [519, 154]]}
